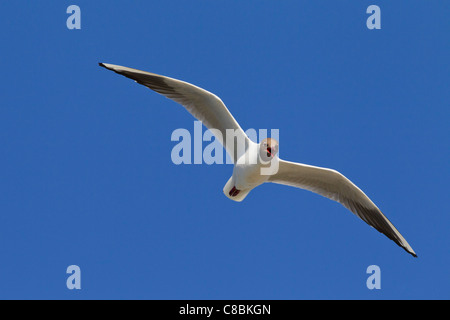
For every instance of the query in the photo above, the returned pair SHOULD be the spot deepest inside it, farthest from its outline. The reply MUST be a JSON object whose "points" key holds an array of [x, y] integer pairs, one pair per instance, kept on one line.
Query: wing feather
{"points": [[333, 185], [202, 104]]}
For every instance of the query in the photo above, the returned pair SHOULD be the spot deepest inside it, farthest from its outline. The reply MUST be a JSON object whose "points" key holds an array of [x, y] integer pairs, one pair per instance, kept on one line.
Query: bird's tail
{"points": [[234, 194]]}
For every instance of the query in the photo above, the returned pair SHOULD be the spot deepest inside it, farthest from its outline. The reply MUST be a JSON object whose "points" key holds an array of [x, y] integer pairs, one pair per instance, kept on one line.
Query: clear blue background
{"points": [[86, 176]]}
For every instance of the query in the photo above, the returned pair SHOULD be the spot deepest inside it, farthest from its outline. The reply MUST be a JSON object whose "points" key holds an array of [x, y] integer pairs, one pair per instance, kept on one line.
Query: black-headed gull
{"points": [[252, 159]]}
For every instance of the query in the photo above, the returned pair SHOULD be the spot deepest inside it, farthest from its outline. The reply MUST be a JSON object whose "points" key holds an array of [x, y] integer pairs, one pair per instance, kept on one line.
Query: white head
{"points": [[268, 149]]}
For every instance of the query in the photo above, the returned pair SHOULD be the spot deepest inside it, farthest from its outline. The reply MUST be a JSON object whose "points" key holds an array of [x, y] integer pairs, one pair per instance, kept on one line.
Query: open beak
{"points": [[269, 152]]}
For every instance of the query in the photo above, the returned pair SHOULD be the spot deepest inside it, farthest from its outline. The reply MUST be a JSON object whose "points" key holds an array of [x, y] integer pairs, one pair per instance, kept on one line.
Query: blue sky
{"points": [[86, 176]]}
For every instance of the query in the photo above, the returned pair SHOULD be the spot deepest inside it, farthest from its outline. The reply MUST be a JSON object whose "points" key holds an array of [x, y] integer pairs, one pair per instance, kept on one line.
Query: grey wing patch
{"points": [[375, 218]]}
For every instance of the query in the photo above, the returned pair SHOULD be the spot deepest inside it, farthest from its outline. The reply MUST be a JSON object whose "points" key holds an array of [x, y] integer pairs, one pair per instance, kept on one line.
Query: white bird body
{"points": [[259, 163], [247, 175], [248, 172]]}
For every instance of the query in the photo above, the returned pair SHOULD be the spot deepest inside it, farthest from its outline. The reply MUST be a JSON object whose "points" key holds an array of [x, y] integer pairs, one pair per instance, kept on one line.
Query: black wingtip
{"points": [[101, 65], [411, 253]]}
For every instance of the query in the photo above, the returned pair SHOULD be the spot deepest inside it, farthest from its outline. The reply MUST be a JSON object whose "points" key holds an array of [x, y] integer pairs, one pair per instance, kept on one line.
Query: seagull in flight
{"points": [[255, 164]]}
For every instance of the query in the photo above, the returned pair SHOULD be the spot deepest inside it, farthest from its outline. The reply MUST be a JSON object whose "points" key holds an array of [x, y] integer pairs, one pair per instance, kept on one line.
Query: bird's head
{"points": [[268, 149]]}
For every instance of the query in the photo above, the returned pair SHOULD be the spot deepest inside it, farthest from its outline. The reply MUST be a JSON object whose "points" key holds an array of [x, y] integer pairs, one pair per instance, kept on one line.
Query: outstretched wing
{"points": [[202, 104], [333, 185]]}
